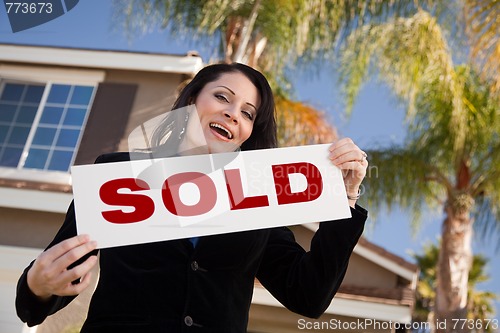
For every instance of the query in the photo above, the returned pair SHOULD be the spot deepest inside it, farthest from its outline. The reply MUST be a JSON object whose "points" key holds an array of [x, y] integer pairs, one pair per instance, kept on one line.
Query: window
{"points": [[41, 124]]}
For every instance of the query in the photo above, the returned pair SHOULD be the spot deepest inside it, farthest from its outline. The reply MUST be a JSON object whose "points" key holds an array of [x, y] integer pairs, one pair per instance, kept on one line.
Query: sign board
{"points": [[153, 200]]}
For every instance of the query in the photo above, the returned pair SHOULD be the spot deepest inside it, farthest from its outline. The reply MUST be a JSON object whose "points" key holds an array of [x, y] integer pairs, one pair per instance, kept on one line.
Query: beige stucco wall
{"points": [[266, 319], [156, 92], [27, 228], [359, 267]]}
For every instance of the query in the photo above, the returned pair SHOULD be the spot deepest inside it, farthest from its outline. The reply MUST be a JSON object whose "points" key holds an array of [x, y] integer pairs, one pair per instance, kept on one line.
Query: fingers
{"points": [[69, 275], [75, 289], [65, 246], [352, 165], [49, 274], [351, 160], [74, 251], [345, 150], [340, 143], [82, 271]]}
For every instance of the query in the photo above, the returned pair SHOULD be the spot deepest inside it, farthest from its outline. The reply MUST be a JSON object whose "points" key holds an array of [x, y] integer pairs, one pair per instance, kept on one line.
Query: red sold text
{"points": [[144, 206]]}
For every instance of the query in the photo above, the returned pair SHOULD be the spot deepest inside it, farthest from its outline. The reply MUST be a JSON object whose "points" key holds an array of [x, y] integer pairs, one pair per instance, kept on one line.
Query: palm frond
{"points": [[406, 54], [480, 305], [393, 167], [294, 30], [483, 22]]}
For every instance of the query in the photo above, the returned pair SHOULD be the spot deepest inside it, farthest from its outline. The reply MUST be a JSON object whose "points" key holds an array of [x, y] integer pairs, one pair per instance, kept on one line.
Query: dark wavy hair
{"points": [[264, 127]]}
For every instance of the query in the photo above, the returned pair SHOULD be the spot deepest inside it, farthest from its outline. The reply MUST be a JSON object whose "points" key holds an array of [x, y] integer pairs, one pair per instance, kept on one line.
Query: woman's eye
{"points": [[248, 114], [222, 98]]}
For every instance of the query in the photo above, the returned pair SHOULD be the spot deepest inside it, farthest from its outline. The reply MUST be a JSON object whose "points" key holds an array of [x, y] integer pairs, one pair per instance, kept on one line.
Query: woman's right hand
{"points": [[50, 275]]}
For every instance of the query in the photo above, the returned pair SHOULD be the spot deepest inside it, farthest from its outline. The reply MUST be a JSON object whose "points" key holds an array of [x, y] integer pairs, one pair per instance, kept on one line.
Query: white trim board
{"points": [[100, 59], [347, 307], [45, 201], [44, 74]]}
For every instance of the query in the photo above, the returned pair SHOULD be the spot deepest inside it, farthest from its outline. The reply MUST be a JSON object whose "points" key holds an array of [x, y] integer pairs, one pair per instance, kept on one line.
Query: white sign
{"points": [[146, 201]]}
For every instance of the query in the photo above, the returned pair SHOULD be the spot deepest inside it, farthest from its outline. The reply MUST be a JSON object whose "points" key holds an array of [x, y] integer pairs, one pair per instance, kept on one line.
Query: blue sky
{"points": [[376, 119]]}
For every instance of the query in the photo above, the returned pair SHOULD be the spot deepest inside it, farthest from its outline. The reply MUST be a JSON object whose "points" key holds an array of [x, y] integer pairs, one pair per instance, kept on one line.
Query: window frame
{"points": [[48, 76]]}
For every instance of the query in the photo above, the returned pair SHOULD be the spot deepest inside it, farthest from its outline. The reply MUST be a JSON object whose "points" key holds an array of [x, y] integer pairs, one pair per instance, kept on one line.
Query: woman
{"points": [[203, 284]]}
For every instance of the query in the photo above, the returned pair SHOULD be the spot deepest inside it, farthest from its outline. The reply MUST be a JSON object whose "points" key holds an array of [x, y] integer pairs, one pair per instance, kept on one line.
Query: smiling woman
{"points": [[204, 283], [235, 107]]}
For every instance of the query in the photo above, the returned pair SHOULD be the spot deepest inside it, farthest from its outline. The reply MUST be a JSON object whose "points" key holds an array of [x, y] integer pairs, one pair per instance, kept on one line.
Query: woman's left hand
{"points": [[346, 155]]}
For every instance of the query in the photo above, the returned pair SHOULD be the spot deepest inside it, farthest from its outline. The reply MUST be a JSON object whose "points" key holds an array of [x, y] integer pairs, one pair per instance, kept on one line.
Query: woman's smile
{"points": [[221, 132]]}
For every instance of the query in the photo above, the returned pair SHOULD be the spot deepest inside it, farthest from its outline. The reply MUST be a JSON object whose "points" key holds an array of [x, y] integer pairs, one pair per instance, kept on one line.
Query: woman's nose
{"points": [[231, 114]]}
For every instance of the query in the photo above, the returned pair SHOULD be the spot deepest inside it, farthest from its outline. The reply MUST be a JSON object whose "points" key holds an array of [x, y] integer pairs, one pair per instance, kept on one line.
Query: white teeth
{"points": [[229, 134]]}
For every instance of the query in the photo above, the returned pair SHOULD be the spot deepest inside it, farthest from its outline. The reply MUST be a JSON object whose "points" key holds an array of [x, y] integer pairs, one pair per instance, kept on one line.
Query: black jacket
{"points": [[172, 286]]}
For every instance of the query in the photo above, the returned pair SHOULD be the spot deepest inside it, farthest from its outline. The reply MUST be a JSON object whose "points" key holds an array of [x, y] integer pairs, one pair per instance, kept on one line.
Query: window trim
{"points": [[48, 76]]}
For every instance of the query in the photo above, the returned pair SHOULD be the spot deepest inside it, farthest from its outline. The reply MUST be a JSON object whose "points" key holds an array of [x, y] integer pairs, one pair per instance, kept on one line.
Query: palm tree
{"points": [[480, 305], [431, 169], [246, 30], [267, 34], [451, 158], [406, 54], [273, 33]]}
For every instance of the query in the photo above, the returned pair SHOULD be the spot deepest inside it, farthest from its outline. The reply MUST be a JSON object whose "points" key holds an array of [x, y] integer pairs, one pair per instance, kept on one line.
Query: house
{"points": [[376, 295], [56, 105]]}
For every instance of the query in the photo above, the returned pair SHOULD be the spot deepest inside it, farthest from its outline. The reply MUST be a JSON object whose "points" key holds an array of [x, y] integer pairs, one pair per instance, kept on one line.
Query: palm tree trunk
{"points": [[258, 45], [455, 258], [246, 33], [232, 37]]}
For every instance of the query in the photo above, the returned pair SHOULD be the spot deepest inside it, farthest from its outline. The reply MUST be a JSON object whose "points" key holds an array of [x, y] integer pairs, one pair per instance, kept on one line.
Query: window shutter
{"points": [[107, 121]]}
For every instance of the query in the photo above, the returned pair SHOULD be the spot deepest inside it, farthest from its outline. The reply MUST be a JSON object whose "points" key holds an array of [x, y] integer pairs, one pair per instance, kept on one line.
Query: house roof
{"points": [[396, 296], [388, 255], [109, 59], [359, 302], [382, 303], [399, 295]]}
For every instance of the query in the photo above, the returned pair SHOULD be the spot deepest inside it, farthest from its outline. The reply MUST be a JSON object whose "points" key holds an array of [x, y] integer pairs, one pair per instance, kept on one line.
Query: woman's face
{"points": [[227, 109]]}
